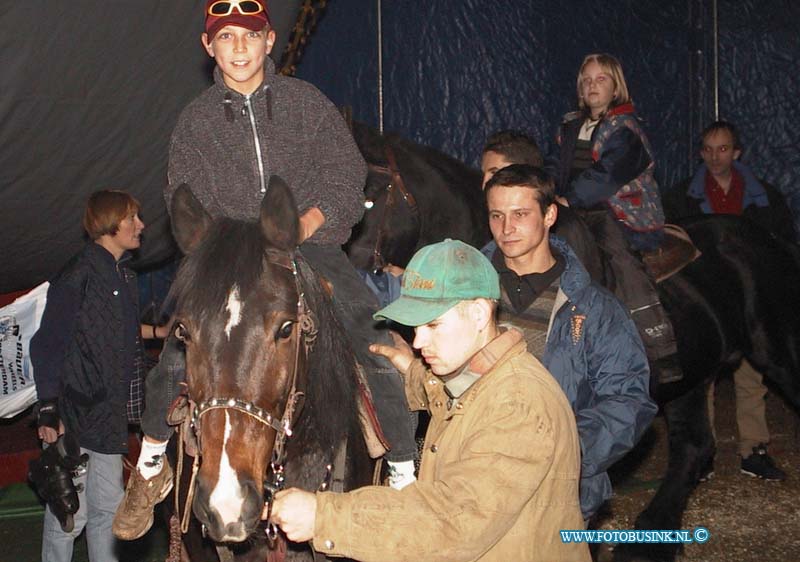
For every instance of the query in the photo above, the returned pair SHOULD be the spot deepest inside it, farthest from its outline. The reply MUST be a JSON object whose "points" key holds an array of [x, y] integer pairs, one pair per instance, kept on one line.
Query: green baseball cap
{"points": [[437, 278]]}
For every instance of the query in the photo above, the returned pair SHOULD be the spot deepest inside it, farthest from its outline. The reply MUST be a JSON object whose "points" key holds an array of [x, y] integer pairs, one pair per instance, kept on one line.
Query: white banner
{"points": [[18, 322]]}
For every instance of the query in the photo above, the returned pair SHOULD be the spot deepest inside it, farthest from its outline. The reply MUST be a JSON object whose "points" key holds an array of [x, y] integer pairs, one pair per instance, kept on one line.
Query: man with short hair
{"points": [[499, 473], [507, 147], [579, 331], [723, 185]]}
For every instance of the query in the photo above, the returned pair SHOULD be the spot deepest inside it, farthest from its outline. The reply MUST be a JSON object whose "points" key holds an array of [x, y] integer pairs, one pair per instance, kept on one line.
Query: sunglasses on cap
{"points": [[226, 7]]}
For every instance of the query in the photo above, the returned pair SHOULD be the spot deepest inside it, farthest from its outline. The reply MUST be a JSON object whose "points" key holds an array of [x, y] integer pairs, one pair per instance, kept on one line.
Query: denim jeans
{"points": [[101, 495], [354, 304]]}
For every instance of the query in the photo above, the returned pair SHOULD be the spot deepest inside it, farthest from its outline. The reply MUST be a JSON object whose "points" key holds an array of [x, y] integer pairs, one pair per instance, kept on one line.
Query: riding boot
{"points": [[633, 286], [658, 337]]}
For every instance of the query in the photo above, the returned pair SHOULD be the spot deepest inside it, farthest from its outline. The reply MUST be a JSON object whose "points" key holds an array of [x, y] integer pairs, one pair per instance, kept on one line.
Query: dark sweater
{"points": [[302, 138], [86, 350]]}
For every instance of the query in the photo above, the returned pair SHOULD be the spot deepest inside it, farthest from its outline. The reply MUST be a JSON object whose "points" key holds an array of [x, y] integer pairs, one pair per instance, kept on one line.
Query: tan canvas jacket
{"points": [[499, 477]]}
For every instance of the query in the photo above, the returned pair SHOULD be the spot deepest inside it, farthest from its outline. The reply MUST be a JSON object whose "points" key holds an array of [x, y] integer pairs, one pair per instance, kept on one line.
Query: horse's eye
{"points": [[181, 332], [285, 331]]}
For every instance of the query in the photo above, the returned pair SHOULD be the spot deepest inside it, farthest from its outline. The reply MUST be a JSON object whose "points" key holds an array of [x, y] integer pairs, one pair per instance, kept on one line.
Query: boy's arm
{"points": [[337, 173]]}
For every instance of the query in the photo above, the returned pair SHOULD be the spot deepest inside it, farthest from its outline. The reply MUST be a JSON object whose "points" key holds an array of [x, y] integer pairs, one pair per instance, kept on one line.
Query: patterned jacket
{"points": [[622, 173]]}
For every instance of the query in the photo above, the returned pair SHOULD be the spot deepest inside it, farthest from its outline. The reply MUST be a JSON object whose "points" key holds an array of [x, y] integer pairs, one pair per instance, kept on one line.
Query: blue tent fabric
{"points": [[457, 70]]}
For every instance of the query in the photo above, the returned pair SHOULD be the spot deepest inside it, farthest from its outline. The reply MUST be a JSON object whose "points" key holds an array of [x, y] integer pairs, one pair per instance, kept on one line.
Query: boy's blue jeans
{"points": [[354, 304]]}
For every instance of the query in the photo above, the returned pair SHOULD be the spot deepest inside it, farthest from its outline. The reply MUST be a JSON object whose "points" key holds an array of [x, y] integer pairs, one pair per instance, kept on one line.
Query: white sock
{"points": [[401, 474], [151, 458]]}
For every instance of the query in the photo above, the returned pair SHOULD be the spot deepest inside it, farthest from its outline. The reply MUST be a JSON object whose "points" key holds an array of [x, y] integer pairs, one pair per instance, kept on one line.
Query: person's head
{"points": [[239, 36], [112, 220], [720, 147], [601, 84], [504, 148], [521, 203], [449, 294]]}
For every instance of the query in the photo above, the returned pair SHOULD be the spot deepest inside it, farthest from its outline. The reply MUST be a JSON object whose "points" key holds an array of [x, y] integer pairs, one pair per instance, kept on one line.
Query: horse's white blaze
{"points": [[234, 308], [227, 498]]}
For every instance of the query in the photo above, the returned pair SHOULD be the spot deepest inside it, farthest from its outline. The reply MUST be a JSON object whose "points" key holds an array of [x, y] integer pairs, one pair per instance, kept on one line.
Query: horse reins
{"points": [[395, 181]]}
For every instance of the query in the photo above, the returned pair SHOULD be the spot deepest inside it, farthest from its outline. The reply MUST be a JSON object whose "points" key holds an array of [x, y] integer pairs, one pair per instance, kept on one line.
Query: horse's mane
{"points": [[331, 391], [233, 252]]}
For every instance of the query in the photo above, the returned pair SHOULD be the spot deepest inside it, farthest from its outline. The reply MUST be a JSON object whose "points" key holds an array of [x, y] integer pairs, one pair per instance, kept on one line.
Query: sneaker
{"points": [[761, 465], [134, 515]]}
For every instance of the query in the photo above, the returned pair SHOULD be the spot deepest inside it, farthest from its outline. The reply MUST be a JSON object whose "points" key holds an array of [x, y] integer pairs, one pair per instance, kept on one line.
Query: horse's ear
{"points": [[279, 220], [190, 221]]}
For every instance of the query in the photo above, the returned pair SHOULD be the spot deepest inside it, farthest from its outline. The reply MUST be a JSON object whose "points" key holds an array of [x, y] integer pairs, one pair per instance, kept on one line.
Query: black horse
{"points": [[738, 300], [434, 198], [268, 368]]}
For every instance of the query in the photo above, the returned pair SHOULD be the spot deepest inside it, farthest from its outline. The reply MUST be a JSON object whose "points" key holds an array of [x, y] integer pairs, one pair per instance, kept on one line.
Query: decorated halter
{"points": [[282, 425], [395, 181], [308, 330]]}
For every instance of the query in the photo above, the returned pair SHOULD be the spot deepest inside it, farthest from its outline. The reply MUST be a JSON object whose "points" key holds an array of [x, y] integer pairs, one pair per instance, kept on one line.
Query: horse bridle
{"points": [[395, 181], [282, 425]]}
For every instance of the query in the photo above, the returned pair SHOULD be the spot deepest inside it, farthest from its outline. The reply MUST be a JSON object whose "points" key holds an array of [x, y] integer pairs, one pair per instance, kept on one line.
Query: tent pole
{"points": [[716, 60], [380, 68]]}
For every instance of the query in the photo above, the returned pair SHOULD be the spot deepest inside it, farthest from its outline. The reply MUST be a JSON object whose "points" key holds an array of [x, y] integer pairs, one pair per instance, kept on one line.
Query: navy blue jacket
{"points": [[86, 353], [595, 353]]}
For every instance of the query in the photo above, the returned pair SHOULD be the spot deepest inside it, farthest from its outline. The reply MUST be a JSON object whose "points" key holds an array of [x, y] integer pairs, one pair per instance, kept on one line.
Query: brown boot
{"points": [[134, 515]]}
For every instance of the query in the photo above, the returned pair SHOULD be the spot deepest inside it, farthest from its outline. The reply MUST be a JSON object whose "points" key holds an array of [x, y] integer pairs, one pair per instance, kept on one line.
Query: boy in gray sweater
{"points": [[252, 124]]}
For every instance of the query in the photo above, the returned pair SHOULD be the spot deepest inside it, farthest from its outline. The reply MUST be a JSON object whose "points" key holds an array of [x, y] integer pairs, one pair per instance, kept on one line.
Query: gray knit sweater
{"points": [[226, 146]]}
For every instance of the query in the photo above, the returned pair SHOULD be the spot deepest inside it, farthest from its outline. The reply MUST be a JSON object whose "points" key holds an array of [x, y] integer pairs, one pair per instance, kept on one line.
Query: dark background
{"points": [[90, 91]]}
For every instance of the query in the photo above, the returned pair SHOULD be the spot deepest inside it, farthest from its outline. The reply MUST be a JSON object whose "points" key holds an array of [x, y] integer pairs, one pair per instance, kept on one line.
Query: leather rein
{"points": [[395, 181]]}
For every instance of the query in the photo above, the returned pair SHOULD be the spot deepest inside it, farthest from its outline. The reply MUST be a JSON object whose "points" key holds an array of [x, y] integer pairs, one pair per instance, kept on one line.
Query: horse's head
{"points": [[390, 229], [239, 311]]}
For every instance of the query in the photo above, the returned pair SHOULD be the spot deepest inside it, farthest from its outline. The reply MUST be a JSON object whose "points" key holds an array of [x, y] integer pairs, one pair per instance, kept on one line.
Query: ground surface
{"points": [[749, 520]]}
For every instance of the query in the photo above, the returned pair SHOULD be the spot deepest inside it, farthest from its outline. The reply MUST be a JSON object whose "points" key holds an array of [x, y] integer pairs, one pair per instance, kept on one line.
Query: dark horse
{"points": [[738, 300], [446, 200], [267, 366]]}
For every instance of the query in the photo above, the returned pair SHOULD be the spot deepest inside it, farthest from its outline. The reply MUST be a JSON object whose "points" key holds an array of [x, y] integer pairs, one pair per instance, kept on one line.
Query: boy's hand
{"points": [[295, 512], [400, 354], [310, 222]]}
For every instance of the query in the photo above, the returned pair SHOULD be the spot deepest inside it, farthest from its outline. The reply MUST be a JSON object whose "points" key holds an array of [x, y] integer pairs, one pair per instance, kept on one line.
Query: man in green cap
{"points": [[501, 460]]}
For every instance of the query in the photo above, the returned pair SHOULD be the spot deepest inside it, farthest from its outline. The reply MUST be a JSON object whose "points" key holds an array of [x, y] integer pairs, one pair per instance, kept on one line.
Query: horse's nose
{"points": [[222, 524]]}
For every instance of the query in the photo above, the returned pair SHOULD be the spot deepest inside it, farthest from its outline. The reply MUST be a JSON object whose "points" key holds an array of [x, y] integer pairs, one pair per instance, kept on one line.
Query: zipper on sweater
{"points": [[256, 142]]}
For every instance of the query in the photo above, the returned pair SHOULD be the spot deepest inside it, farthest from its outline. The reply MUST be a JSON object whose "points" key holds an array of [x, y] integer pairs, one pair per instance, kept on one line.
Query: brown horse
{"points": [[268, 366]]}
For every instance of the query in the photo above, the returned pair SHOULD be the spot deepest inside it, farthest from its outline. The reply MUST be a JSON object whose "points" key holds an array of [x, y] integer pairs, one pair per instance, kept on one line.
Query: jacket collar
{"points": [[624, 109], [575, 277], [753, 190], [269, 78], [100, 253]]}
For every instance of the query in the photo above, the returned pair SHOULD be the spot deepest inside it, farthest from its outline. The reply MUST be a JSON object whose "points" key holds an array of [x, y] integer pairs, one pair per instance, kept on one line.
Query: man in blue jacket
{"points": [[577, 329]]}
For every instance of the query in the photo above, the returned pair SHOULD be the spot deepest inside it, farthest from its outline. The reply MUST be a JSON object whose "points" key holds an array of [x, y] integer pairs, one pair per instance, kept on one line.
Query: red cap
{"points": [[255, 22]]}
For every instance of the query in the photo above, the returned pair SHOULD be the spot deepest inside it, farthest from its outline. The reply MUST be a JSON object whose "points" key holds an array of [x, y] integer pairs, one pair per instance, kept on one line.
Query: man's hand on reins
{"points": [[400, 354], [295, 512]]}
